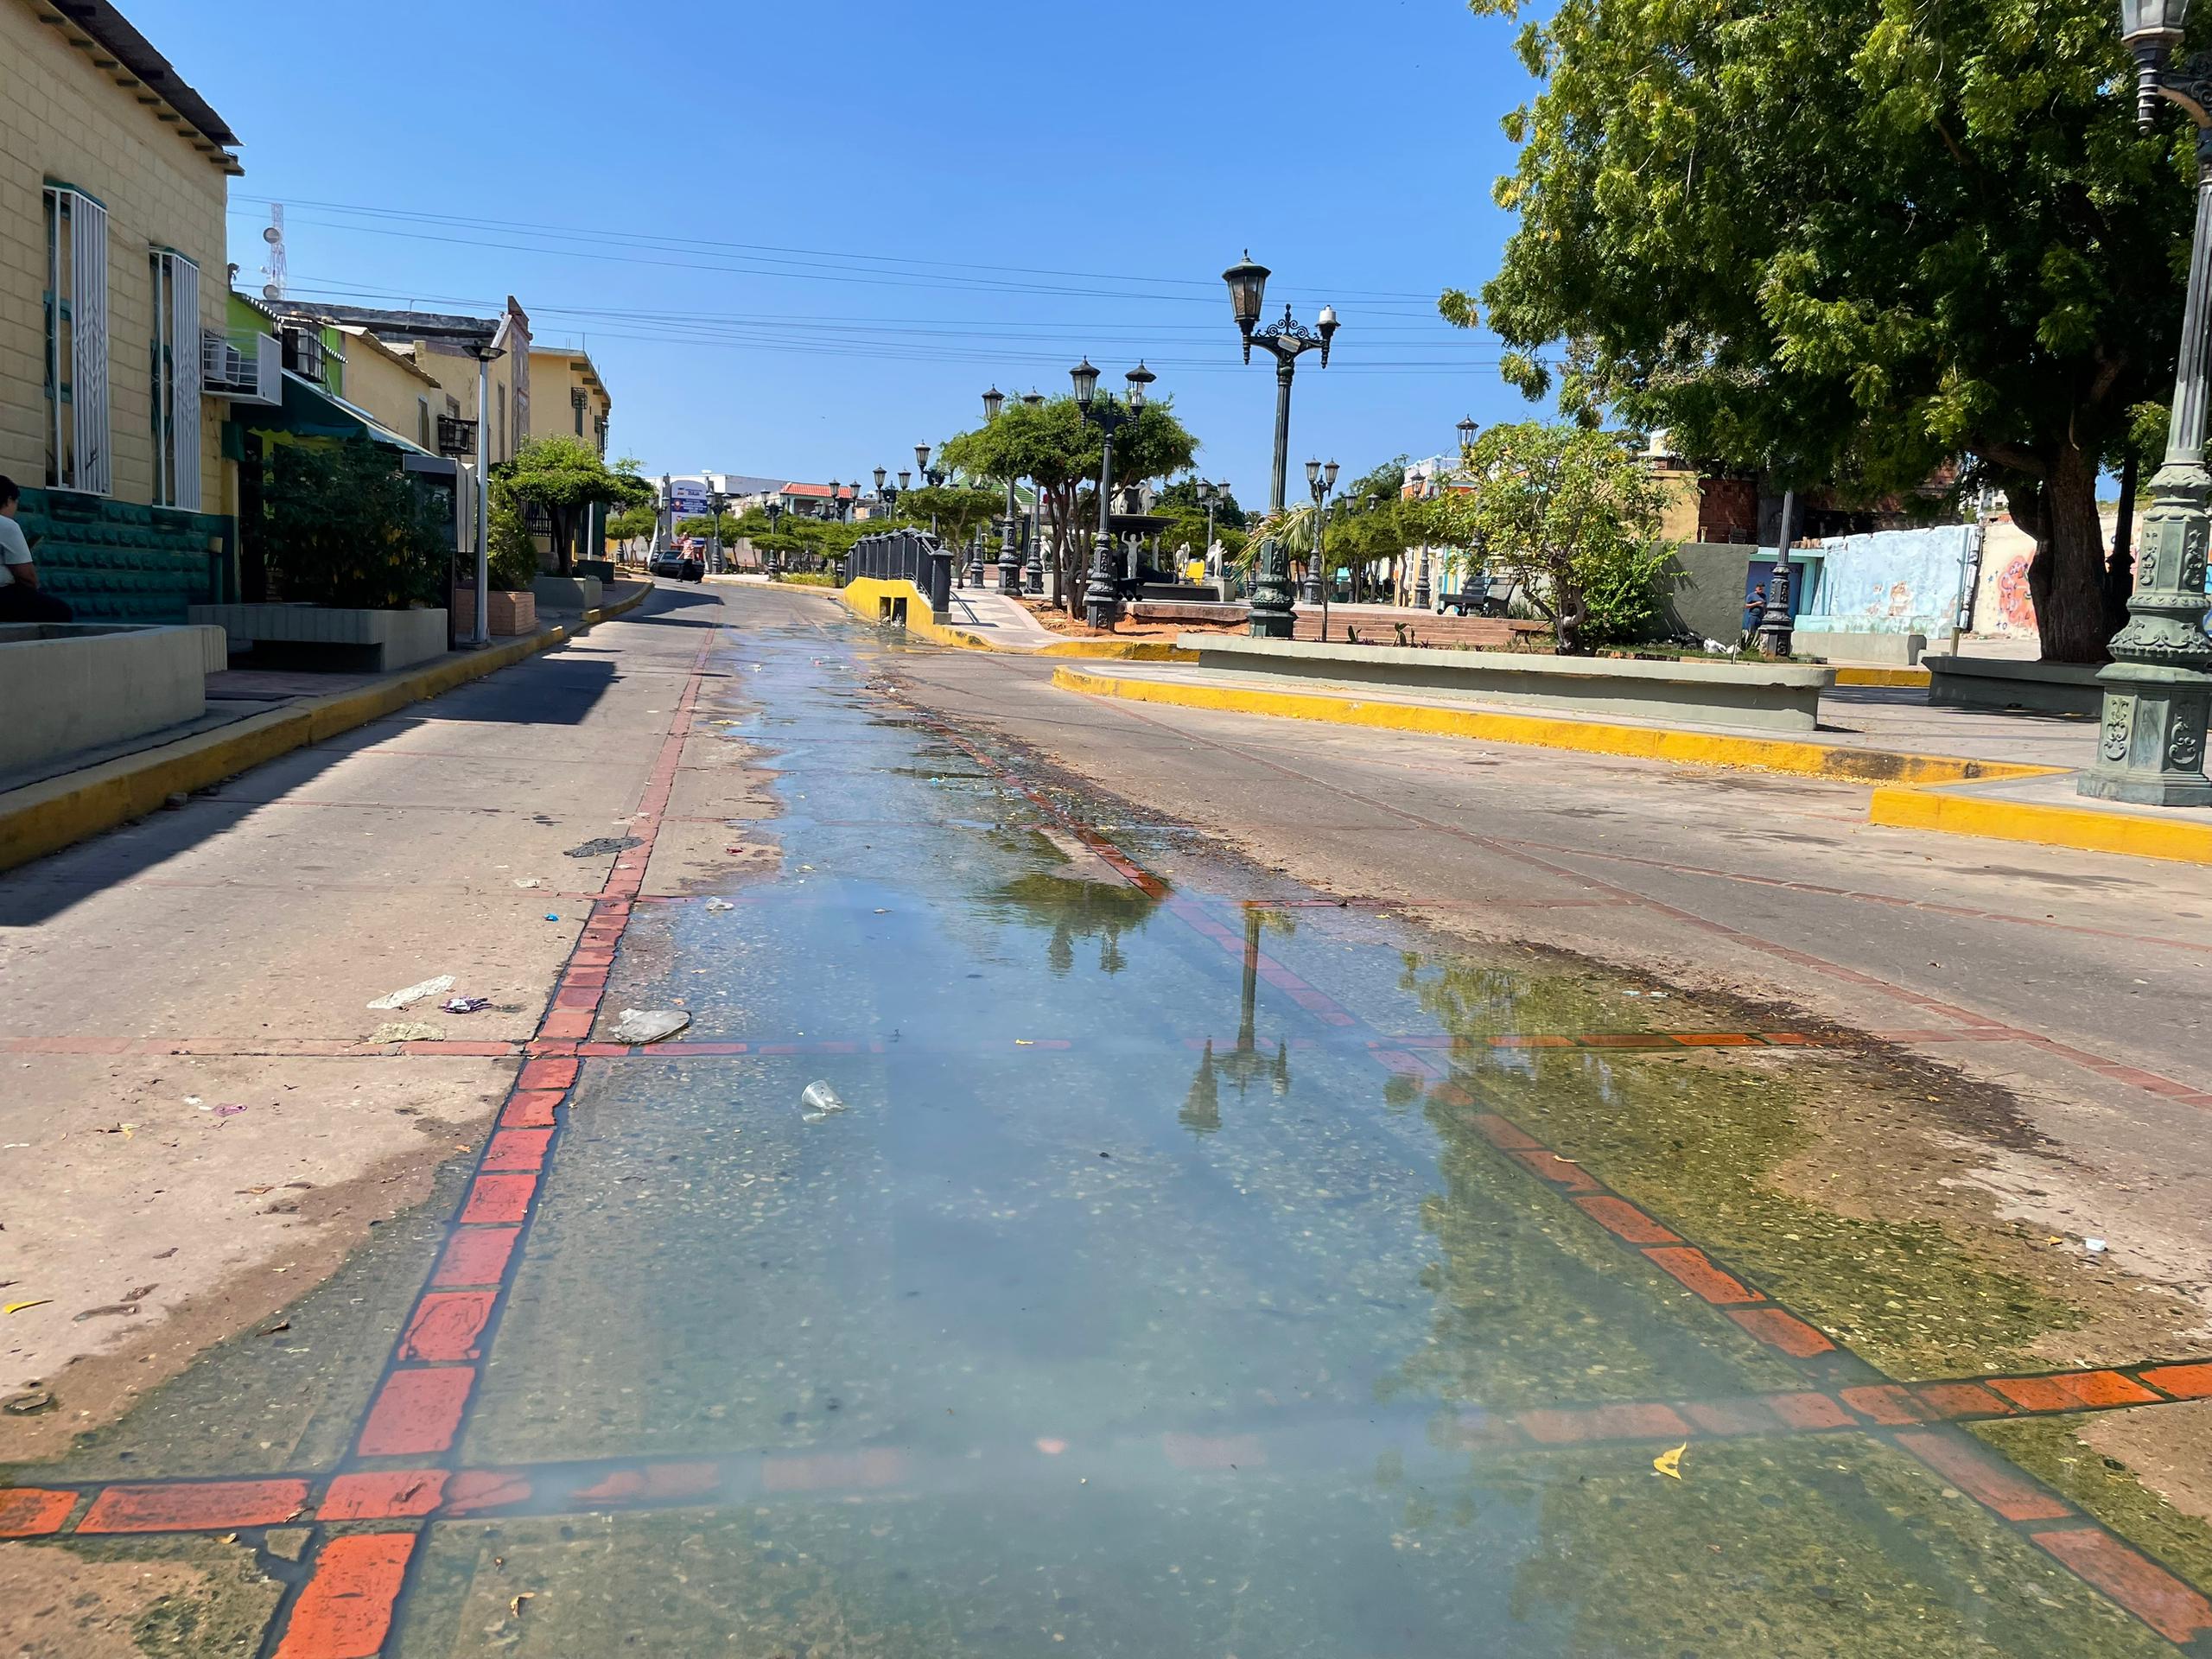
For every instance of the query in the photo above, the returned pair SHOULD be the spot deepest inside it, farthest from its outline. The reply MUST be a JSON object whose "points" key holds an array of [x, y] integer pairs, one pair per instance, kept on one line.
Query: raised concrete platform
{"points": [[569, 593], [317, 636], [1855, 645], [70, 686], [2006, 682], [1188, 610], [1764, 696]]}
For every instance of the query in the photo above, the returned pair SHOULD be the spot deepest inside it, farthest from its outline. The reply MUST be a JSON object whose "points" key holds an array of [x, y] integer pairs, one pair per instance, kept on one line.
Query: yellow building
{"points": [[568, 396], [390, 384], [114, 179]]}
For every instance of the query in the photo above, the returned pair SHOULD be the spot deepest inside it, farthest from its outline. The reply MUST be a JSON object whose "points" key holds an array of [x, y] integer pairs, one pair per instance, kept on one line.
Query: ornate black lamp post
{"points": [[717, 500], [1287, 338], [1010, 529], [2159, 685], [1423, 484], [1033, 568], [1314, 590], [769, 562], [1774, 624], [1102, 598]]}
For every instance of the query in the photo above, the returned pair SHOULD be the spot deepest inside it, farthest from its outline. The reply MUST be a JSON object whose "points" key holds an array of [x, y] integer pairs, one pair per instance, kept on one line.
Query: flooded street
{"points": [[1053, 1234]]}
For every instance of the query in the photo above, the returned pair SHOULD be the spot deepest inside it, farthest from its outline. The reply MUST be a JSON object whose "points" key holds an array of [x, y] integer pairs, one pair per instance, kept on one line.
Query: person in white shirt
{"points": [[21, 599]]}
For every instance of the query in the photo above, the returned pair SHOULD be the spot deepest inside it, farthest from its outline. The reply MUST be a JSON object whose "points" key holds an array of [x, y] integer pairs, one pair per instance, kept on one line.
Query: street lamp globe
{"points": [[1139, 378], [1086, 383], [1467, 429], [1329, 476], [1312, 473], [880, 476], [1034, 399], [1327, 322], [1247, 292], [993, 401], [905, 478], [2151, 29], [921, 457]]}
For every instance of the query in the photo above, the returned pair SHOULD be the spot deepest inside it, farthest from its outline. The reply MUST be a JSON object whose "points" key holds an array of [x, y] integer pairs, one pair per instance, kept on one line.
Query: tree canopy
{"points": [[1851, 241], [1053, 446], [565, 478]]}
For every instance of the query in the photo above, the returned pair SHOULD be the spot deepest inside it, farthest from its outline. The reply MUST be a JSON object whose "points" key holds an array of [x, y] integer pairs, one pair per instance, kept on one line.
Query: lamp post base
{"points": [[1309, 591], [1102, 599], [2151, 746], [1271, 616]]}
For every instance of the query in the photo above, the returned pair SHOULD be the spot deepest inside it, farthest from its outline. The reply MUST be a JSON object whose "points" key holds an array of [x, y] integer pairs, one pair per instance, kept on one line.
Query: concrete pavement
{"points": [[203, 1116]]}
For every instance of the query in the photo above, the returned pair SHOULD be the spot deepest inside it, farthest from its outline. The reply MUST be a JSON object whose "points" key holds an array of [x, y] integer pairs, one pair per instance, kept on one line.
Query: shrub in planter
{"points": [[511, 554], [346, 528]]}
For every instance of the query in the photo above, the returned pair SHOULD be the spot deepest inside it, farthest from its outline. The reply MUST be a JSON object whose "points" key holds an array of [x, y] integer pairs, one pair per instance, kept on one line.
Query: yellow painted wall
{"points": [[389, 386], [456, 373], [63, 121], [553, 374]]}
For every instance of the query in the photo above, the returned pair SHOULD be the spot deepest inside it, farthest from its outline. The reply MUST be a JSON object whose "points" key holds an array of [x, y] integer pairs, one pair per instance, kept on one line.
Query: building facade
{"points": [[114, 181]]}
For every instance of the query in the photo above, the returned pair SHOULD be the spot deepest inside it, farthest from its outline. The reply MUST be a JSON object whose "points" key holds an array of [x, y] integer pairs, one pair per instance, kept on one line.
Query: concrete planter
{"points": [[68, 687], [315, 636], [568, 593], [511, 612], [2007, 682], [1770, 696]]}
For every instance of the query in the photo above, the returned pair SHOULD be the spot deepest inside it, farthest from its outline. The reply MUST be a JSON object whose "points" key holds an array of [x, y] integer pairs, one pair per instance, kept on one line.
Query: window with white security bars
{"points": [[176, 380], [77, 455]]}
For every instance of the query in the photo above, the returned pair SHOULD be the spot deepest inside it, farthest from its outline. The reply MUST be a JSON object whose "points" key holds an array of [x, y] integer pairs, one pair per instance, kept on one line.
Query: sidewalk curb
{"points": [[2085, 828], [44, 817], [861, 595], [1836, 762]]}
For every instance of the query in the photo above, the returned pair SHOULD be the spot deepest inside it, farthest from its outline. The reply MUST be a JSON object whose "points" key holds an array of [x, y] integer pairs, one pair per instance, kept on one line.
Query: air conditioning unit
{"points": [[303, 353], [245, 368]]}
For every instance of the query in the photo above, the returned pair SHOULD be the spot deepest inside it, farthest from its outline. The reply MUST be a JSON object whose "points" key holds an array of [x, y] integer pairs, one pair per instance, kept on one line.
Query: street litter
{"points": [[719, 904], [407, 1031], [1670, 1463], [2094, 1246], [29, 1403], [466, 1004], [551, 917], [649, 1025], [17, 1307], [604, 845], [530, 881], [400, 999], [819, 1100]]}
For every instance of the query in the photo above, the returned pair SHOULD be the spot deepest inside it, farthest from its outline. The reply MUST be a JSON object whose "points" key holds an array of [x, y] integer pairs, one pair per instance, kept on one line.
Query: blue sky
{"points": [[800, 238]]}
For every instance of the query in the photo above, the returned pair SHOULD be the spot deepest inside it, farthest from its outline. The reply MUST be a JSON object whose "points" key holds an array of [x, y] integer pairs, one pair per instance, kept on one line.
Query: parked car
{"points": [[677, 566]]}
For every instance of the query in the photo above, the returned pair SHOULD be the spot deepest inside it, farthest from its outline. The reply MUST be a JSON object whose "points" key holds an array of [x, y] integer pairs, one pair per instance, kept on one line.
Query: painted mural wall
{"points": [[1891, 580], [2002, 609]]}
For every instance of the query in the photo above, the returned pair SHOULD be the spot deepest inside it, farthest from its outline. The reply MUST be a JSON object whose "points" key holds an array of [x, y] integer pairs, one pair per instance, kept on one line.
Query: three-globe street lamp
{"points": [[1209, 495], [1287, 338], [1102, 598], [1010, 552], [1314, 590], [1033, 568], [2158, 689]]}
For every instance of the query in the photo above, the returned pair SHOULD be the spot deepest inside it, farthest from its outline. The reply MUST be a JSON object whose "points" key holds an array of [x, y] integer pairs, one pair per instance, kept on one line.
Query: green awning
{"points": [[308, 412]]}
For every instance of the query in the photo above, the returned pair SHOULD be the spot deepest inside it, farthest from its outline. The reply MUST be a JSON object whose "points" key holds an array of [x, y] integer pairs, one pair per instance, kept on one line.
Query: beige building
{"points": [[114, 178], [567, 398]]}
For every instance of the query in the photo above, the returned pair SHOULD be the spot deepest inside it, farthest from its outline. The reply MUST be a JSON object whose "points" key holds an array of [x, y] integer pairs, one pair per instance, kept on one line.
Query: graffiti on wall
{"points": [[1894, 581]]}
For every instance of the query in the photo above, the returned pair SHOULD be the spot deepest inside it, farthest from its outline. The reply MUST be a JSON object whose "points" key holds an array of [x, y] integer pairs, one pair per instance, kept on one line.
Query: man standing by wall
{"points": [[20, 599]]}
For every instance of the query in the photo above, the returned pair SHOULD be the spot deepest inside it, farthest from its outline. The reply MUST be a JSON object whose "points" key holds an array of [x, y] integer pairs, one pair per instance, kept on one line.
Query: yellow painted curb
{"points": [[1905, 678], [1121, 651], [1828, 760], [2083, 828], [44, 817]]}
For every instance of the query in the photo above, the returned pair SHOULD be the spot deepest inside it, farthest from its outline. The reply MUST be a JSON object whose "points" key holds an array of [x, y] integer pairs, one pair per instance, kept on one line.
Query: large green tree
{"points": [[1852, 241], [565, 477], [1054, 447]]}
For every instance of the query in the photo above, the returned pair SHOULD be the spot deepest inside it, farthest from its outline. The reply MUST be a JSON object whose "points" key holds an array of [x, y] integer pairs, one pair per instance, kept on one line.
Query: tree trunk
{"points": [[2066, 577]]}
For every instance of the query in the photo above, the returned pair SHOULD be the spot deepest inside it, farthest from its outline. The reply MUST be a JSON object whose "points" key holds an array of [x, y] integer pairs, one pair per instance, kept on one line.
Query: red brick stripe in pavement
{"points": [[344, 1610]]}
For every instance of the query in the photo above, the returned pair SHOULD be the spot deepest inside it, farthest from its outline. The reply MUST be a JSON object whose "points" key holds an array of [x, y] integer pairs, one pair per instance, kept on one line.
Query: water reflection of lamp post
{"points": [[1244, 1064], [2158, 689]]}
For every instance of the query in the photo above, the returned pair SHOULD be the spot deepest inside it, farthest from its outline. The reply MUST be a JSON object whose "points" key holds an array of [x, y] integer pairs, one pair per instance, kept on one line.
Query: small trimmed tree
{"points": [[1575, 516], [565, 479], [345, 527]]}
